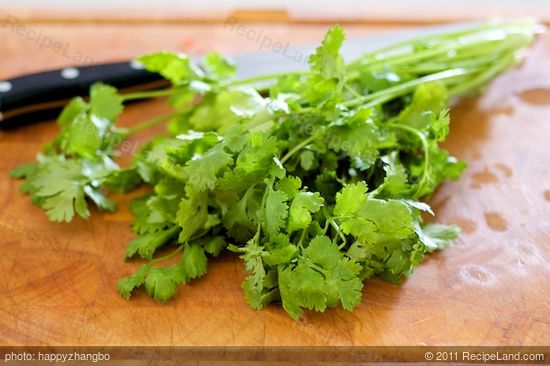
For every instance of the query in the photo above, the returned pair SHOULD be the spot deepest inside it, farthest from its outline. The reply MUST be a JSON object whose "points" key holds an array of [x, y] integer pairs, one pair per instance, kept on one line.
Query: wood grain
{"points": [[491, 288]]}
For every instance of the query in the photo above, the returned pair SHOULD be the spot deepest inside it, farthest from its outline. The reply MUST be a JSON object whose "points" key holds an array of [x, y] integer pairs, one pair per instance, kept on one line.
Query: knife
{"points": [[42, 95]]}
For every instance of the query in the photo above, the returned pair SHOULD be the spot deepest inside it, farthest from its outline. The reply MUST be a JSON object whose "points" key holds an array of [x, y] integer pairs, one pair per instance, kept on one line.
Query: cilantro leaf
{"points": [[350, 199], [358, 137], [396, 180], [105, 102], [308, 287], [175, 67], [428, 100], [161, 283], [343, 282], [289, 298], [193, 262], [192, 214], [276, 211], [219, 67], [76, 107], [327, 60], [223, 110], [60, 184], [437, 236], [141, 224], [203, 170], [303, 205], [327, 69], [322, 251], [126, 285], [147, 244]]}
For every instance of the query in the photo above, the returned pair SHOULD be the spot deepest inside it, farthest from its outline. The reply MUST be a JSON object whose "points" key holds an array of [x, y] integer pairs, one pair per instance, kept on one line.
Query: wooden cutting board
{"points": [[58, 281]]}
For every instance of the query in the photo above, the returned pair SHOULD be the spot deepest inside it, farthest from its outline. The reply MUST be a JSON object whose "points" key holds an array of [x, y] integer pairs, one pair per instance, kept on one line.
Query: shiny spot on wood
{"points": [[477, 275], [495, 221], [537, 96], [467, 226], [484, 177], [506, 170]]}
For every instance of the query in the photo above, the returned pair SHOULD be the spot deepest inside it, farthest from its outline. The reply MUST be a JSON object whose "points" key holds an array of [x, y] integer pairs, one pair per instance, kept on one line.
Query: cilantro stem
{"points": [[264, 126], [424, 39], [302, 237], [352, 91], [405, 88], [151, 94], [168, 256], [255, 79], [298, 147], [315, 266], [330, 222], [480, 79], [443, 51], [151, 123], [340, 233], [483, 34], [429, 68], [174, 90], [425, 148], [268, 187]]}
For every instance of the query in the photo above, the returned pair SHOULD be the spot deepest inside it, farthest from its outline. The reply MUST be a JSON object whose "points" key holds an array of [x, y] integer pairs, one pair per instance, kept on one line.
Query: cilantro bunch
{"points": [[315, 178]]}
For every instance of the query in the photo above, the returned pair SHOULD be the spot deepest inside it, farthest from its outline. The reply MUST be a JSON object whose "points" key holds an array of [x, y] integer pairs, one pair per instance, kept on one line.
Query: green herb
{"points": [[315, 178]]}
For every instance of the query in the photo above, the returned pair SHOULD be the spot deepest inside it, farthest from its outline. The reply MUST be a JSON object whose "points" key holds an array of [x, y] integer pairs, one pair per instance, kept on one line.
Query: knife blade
{"points": [[42, 95]]}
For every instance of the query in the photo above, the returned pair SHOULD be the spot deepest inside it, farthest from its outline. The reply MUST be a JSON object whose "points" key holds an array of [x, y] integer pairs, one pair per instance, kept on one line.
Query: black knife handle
{"points": [[42, 95]]}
